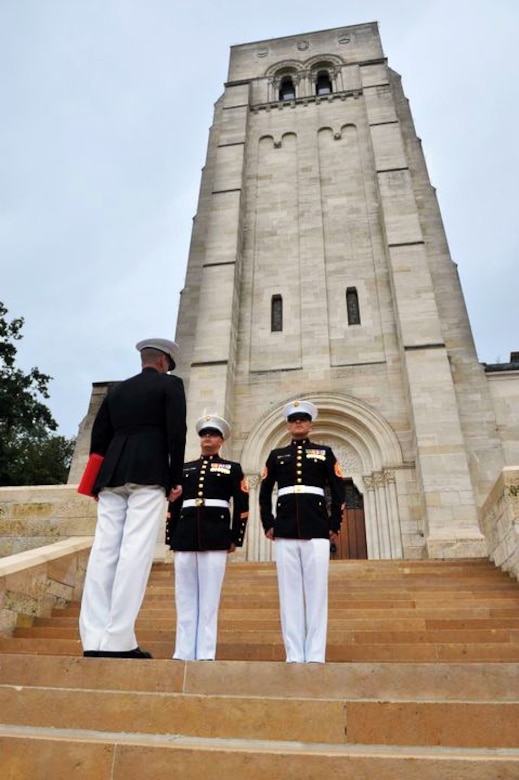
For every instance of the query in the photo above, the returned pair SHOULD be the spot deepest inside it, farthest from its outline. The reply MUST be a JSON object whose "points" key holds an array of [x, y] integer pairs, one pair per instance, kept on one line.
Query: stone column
{"points": [[394, 518], [370, 518]]}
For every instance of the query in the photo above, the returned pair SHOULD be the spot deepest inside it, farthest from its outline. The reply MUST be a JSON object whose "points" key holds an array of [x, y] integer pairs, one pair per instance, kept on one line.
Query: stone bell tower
{"points": [[319, 268]]}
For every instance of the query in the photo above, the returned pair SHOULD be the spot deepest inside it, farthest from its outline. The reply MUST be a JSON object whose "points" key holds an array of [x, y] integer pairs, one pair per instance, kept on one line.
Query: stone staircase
{"points": [[422, 681]]}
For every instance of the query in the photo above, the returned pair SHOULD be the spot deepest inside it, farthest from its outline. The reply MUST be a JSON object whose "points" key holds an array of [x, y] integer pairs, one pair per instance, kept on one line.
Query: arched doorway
{"points": [[369, 455]]}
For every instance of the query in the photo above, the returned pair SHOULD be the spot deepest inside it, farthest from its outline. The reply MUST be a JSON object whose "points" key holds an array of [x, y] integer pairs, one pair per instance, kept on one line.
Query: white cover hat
{"points": [[213, 421], [303, 407], [163, 345]]}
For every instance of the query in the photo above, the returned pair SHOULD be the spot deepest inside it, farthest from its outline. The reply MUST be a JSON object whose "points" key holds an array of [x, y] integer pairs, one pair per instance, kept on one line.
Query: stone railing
{"points": [[32, 517], [500, 521], [32, 583]]}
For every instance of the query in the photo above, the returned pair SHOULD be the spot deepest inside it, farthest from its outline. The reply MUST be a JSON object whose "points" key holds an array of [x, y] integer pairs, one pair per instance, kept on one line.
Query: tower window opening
{"points": [[352, 306], [287, 90], [276, 313], [323, 84]]}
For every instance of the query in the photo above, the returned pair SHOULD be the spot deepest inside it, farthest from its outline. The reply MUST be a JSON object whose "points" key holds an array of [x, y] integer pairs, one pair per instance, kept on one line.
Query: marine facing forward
{"points": [[302, 530], [202, 531]]}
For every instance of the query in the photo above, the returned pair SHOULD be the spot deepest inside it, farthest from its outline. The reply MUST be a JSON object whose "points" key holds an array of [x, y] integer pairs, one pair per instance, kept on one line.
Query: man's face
{"points": [[299, 426], [211, 441]]}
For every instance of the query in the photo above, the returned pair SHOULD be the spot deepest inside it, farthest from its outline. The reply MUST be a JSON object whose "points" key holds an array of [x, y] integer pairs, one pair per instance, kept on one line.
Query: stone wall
{"points": [[500, 521], [35, 516], [32, 583], [504, 389]]}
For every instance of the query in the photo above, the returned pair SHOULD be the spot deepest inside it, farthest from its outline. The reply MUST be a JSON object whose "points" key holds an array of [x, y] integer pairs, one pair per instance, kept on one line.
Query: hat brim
{"points": [[211, 429]]}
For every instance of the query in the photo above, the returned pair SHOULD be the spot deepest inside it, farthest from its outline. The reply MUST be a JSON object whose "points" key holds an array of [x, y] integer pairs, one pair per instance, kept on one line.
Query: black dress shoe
{"points": [[135, 653], [138, 653]]}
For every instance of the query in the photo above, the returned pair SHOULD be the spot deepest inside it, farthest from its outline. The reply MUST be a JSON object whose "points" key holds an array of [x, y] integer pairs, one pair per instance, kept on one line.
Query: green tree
{"points": [[30, 452]]}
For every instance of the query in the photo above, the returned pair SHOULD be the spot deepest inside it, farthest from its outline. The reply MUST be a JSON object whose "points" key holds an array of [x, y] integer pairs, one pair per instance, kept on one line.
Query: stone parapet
{"points": [[500, 521], [39, 515], [32, 583]]}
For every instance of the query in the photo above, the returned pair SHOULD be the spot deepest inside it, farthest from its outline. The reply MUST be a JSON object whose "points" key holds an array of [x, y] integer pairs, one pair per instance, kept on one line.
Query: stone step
{"points": [[375, 681], [367, 570], [362, 573], [364, 570], [266, 717], [237, 591], [67, 753], [258, 648], [496, 608], [364, 601], [375, 566], [229, 622], [336, 635], [368, 610], [394, 592], [71, 612]]}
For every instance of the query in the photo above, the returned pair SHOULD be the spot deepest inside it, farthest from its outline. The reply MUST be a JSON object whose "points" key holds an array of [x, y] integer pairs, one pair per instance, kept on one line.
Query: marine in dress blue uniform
{"points": [[202, 530], [140, 430], [302, 529]]}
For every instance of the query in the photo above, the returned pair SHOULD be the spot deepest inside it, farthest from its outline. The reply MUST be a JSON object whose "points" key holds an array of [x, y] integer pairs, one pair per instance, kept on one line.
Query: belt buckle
{"points": [[199, 501], [298, 489]]}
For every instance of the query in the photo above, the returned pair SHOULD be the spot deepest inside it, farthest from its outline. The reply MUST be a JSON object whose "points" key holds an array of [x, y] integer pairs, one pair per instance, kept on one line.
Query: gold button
{"points": [[200, 493], [299, 479], [299, 472]]}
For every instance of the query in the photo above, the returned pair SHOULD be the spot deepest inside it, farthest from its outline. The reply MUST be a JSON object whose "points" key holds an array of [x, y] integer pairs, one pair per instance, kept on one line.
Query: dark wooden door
{"points": [[352, 539]]}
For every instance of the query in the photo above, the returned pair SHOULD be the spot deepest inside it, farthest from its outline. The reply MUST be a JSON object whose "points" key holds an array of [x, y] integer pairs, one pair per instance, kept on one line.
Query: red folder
{"points": [[90, 473]]}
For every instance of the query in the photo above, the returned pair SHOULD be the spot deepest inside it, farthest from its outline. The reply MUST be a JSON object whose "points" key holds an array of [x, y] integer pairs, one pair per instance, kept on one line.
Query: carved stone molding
{"points": [[348, 460], [369, 483], [380, 479]]}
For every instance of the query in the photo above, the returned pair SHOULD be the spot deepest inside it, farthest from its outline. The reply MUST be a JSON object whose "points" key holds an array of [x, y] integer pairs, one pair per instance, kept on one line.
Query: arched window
{"points": [[287, 90], [276, 313], [352, 306], [323, 84]]}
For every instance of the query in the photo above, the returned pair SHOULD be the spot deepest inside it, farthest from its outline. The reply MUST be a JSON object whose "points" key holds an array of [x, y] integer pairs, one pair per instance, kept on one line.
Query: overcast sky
{"points": [[106, 107]]}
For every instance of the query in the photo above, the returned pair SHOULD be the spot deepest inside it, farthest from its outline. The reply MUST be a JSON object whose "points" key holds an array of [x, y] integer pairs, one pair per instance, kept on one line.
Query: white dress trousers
{"points": [[198, 584], [302, 572], [128, 520]]}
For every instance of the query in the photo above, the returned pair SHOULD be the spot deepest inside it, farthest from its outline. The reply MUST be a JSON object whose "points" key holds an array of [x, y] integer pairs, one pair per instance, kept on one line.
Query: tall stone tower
{"points": [[319, 268]]}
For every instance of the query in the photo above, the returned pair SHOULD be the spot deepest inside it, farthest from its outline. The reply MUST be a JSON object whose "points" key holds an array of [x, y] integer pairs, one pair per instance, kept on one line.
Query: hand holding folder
{"points": [[90, 473]]}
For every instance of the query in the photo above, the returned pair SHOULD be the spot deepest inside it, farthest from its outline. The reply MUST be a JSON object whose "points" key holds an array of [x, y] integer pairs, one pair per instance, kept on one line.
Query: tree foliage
{"points": [[31, 453]]}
